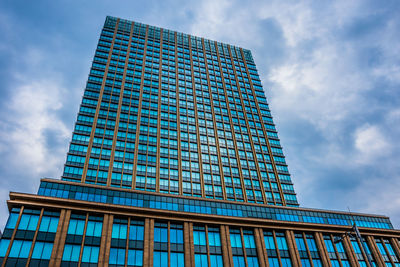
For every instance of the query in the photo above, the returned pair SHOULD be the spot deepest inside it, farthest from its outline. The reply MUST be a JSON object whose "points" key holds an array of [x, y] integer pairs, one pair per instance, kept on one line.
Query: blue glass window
{"points": [[4, 243], [236, 241], [94, 228], [42, 250], [177, 259], [28, 222], [119, 231], [238, 261], [12, 220], [71, 253], [121, 245], [48, 224], [135, 257], [117, 256], [90, 254], [200, 246], [201, 260], [301, 247], [216, 260], [160, 258], [20, 249], [76, 227], [162, 246]]}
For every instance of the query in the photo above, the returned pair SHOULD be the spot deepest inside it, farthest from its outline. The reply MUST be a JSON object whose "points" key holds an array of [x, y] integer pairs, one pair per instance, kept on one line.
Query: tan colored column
{"points": [[146, 243], [363, 252], [191, 238], [83, 240], [114, 143], [294, 253], [59, 240], [127, 237], [261, 252], [243, 246], [322, 249], [387, 251], [188, 243], [105, 244], [226, 246], [135, 161], [350, 253], [395, 244], [375, 251], [151, 241]]}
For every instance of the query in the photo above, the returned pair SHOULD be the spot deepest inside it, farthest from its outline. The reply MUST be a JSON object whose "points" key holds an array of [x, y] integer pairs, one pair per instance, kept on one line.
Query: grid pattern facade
{"points": [[172, 113], [69, 238], [124, 197]]}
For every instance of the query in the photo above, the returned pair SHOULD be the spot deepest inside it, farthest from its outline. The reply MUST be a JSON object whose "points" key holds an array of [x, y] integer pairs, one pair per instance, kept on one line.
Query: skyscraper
{"points": [[175, 160]]}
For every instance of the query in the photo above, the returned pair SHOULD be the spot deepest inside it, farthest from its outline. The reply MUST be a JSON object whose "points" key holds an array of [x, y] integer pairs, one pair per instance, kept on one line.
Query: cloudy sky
{"points": [[330, 69]]}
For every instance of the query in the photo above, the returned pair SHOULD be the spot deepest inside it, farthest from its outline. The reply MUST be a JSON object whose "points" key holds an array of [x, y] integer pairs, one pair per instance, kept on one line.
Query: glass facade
{"points": [[207, 246], [277, 249], [168, 245], [31, 235], [205, 206], [168, 112], [28, 237], [127, 242], [336, 251]]}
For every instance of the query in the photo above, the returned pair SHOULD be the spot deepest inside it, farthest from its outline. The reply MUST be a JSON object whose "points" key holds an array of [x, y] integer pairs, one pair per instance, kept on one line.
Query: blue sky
{"points": [[331, 71]]}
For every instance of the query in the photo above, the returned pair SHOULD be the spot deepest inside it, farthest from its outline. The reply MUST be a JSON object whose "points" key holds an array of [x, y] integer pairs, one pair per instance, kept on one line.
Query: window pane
{"points": [[37, 250], [4, 246], [15, 248]]}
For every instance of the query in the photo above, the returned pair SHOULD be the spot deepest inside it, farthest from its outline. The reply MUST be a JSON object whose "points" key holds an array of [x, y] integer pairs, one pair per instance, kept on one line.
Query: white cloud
{"points": [[33, 137], [31, 113], [370, 143]]}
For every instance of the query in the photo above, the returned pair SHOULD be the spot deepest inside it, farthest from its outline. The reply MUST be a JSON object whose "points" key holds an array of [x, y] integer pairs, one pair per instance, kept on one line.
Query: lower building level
{"points": [[70, 224]]}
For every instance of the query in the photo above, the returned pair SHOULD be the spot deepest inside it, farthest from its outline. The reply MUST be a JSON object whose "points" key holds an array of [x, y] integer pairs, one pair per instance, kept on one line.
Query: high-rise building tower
{"points": [[177, 114], [175, 161]]}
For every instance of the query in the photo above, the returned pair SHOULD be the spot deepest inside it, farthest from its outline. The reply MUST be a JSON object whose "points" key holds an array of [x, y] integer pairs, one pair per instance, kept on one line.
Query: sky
{"points": [[330, 69]]}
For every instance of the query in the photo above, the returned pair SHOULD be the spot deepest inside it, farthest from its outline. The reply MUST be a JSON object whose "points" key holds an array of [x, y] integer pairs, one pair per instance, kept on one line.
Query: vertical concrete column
{"points": [[83, 239], [59, 240], [261, 252], [148, 242], [387, 252], [350, 253], [188, 243], [226, 246], [322, 249], [191, 238], [105, 244], [396, 246], [375, 251], [151, 242], [294, 253]]}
